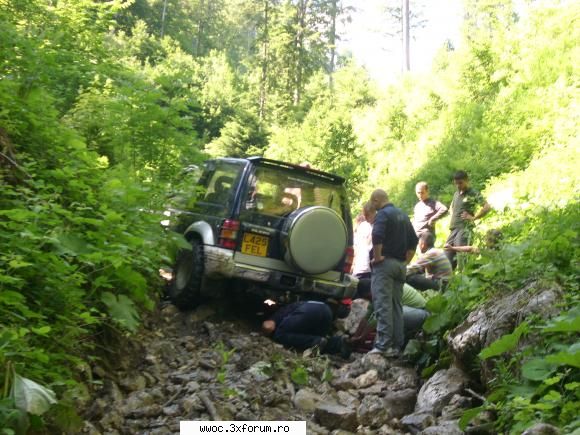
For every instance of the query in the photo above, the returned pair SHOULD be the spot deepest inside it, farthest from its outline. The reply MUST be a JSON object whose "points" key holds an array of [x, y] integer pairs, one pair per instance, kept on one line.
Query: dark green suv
{"points": [[276, 228]]}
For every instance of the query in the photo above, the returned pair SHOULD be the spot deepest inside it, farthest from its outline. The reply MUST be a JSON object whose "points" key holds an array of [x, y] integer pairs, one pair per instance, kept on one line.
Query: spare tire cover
{"points": [[316, 239]]}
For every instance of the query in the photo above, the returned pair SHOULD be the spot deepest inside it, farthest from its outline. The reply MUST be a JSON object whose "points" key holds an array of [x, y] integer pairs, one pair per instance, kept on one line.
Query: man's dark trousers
{"points": [[457, 237], [305, 326], [420, 282]]}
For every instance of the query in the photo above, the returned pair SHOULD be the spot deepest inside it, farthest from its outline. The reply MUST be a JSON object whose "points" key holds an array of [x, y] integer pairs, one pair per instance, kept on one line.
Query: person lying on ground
{"points": [[432, 270], [304, 325]]}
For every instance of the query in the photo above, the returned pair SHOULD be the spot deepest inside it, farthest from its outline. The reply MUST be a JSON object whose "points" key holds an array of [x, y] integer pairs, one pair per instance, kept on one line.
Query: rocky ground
{"points": [[212, 364]]}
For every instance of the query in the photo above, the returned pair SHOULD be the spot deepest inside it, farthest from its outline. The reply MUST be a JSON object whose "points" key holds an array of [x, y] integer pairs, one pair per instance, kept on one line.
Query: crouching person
{"points": [[303, 325]]}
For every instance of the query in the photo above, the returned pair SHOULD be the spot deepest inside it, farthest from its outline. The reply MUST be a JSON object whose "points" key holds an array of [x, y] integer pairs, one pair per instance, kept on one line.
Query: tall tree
{"points": [[402, 18], [406, 35]]}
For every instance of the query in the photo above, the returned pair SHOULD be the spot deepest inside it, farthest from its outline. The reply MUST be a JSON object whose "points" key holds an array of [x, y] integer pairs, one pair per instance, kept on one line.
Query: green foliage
{"points": [[506, 343], [225, 356], [299, 375]]}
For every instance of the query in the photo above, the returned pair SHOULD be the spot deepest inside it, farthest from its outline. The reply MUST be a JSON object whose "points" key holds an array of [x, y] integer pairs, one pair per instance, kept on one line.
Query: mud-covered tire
{"points": [[185, 290], [315, 239]]}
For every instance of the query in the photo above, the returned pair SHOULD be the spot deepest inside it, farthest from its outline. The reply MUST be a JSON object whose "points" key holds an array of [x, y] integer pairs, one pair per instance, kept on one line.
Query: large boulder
{"points": [[497, 318], [437, 392]]}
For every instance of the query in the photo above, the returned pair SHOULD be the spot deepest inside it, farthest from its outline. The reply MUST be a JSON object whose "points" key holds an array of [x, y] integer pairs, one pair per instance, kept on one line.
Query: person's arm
{"points": [[441, 210], [485, 208], [378, 236], [412, 241], [467, 249], [378, 253], [419, 266]]}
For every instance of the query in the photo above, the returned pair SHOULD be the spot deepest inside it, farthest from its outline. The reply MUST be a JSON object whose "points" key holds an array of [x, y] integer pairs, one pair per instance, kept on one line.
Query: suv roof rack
{"points": [[315, 172]]}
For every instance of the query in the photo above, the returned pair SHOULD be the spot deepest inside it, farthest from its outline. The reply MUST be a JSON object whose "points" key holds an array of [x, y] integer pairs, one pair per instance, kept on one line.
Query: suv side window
{"points": [[219, 182]]}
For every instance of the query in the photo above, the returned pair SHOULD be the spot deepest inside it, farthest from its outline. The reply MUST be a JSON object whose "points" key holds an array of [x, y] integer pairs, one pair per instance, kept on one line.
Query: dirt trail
{"points": [[212, 364]]}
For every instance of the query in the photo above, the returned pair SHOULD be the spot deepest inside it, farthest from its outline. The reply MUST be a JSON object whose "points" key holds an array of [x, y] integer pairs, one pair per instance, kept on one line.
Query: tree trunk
{"points": [[301, 12], [332, 42], [197, 47], [264, 75], [406, 36], [163, 15]]}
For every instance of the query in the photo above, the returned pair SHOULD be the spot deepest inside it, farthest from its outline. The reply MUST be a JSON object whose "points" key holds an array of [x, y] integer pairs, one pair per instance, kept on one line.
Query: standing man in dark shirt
{"points": [[463, 214], [394, 244], [427, 211]]}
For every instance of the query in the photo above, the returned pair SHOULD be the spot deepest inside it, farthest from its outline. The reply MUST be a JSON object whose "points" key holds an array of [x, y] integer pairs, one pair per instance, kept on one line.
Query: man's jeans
{"points": [[413, 319], [387, 290]]}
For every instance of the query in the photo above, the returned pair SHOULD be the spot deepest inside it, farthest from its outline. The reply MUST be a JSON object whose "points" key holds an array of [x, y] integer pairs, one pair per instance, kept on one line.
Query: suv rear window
{"points": [[278, 192]]}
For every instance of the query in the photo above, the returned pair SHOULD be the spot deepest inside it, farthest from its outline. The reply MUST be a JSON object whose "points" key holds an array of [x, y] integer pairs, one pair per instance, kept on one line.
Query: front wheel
{"points": [[186, 286]]}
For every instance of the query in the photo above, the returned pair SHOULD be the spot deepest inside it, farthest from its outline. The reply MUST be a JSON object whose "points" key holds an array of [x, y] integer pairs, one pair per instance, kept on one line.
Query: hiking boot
{"points": [[388, 353]]}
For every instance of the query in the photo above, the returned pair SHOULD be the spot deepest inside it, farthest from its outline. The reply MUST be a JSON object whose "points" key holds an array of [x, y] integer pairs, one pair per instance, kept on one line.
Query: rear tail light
{"points": [[228, 237], [349, 257]]}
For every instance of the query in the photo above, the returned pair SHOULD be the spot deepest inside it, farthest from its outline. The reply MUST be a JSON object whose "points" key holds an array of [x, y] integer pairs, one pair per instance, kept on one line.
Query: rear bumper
{"points": [[221, 263]]}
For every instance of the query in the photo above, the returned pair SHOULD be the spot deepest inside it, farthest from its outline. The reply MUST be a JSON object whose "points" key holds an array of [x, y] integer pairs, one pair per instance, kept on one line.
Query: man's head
{"points": [[268, 327], [493, 239], [369, 212], [426, 242], [422, 190], [461, 181], [379, 199]]}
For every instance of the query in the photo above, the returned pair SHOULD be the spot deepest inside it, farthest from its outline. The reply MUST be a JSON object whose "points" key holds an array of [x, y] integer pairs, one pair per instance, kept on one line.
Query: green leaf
{"points": [[43, 330], [537, 369], [504, 344], [469, 415], [18, 215], [122, 310], [566, 358], [73, 245], [436, 322], [179, 241], [299, 376], [18, 263], [436, 304], [9, 297], [568, 322], [30, 396]]}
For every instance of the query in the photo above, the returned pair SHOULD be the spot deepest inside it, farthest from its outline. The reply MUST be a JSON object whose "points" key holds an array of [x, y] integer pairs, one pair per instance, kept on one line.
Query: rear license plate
{"points": [[254, 244]]}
